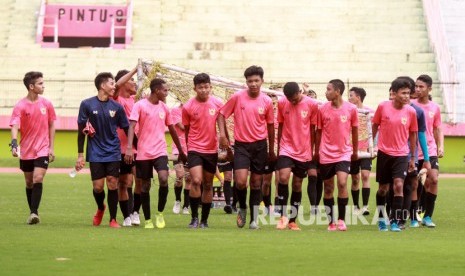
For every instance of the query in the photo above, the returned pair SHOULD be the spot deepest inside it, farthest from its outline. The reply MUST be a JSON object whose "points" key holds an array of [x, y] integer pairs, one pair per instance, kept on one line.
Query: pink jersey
{"points": [[251, 116], [433, 120], [152, 119], [394, 127], [128, 104], [296, 120], [336, 125], [176, 116], [201, 119], [363, 144], [33, 119]]}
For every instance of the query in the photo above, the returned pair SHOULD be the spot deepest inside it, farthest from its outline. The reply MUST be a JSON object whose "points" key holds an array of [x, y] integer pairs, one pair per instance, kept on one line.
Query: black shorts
{"points": [[299, 169], [125, 168], [225, 166], [433, 160], [270, 167], [99, 170], [144, 168], [389, 167], [29, 165], [360, 164], [329, 170], [208, 161], [251, 156]]}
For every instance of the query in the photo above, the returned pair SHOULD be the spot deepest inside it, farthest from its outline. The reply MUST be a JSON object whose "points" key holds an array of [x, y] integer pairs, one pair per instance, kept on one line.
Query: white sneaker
{"points": [[185, 211], [33, 219], [127, 222], [177, 207], [135, 220], [365, 211]]}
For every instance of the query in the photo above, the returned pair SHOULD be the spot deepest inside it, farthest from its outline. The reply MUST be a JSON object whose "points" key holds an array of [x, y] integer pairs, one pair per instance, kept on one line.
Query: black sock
{"points": [[365, 196], [422, 200], [124, 206], [329, 203], [296, 198], [186, 199], [194, 201], [234, 195], [177, 192], [396, 208], [389, 199], [276, 201], [267, 200], [355, 196], [227, 192], [254, 202], [319, 189], [341, 207], [413, 210], [36, 196], [311, 190], [162, 197], [205, 211], [130, 201], [242, 197], [29, 196], [112, 201], [137, 203], [283, 196], [145, 200], [407, 201], [380, 205], [430, 200], [99, 199]]}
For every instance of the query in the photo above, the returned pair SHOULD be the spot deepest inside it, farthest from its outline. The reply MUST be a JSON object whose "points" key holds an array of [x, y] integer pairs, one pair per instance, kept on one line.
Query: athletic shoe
{"points": [[228, 209], [395, 227], [357, 211], [33, 219], [314, 210], [382, 225], [114, 224], [203, 225], [341, 225], [135, 220], [419, 215], [293, 226], [428, 222], [127, 222], [414, 223], [254, 226], [149, 224], [241, 217], [160, 221], [332, 227], [99, 216], [194, 223], [401, 225], [365, 211], [234, 209], [282, 223], [185, 211], [177, 207]]}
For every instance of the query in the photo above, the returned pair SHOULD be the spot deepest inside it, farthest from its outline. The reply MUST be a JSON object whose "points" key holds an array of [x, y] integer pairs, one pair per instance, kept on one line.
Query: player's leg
{"points": [[144, 172], [355, 188], [97, 174], [241, 173], [327, 173], [194, 162], [187, 188], [259, 157], [179, 172], [383, 177], [112, 176], [342, 173], [311, 188], [226, 169], [431, 192], [285, 169], [209, 167], [124, 183], [161, 166], [365, 166], [27, 166]]}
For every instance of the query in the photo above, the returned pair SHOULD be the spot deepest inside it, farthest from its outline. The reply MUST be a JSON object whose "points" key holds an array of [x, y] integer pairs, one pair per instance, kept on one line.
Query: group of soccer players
{"points": [[126, 141]]}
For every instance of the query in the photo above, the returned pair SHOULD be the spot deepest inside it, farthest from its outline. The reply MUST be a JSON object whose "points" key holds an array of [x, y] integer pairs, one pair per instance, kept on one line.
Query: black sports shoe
{"points": [[194, 223], [228, 209], [203, 225]]}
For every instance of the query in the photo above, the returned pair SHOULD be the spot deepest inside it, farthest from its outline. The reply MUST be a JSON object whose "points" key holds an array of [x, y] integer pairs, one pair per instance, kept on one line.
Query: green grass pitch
{"points": [[65, 243]]}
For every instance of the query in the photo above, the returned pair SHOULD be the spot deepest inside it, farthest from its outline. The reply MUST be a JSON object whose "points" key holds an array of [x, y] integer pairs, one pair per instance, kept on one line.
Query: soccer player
{"points": [[182, 173], [397, 123], [297, 117], [361, 166], [199, 117], [129, 204], [152, 115], [103, 146], [34, 117], [435, 140], [337, 120], [253, 123], [226, 167]]}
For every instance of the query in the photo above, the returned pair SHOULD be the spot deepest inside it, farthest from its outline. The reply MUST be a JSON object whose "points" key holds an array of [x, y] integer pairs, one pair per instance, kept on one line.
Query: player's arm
{"points": [[186, 132], [439, 138], [424, 149], [174, 136], [123, 80], [221, 121], [354, 143], [180, 126], [80, 162], [271, 135], [51, 134], [374, 129], [129, 156], [413, 136], [14, 140]]}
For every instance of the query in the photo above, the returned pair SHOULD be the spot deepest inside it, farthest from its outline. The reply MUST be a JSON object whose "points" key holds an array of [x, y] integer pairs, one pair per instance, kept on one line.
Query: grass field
{"points": [[65, 243]]}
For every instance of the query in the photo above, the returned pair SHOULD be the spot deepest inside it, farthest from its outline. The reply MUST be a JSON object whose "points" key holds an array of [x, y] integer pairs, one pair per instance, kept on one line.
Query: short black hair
{"points": [[156, 83], [411, 83], [101, 78], [120, 74], [426, 79], [253, 71], [359, 92], [400, 83], [31, 77], [338, 85], [201, 78], [290, 89]]}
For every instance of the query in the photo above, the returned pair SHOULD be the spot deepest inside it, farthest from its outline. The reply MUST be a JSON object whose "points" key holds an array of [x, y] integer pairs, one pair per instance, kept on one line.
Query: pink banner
{"points": [[85, 21]]}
